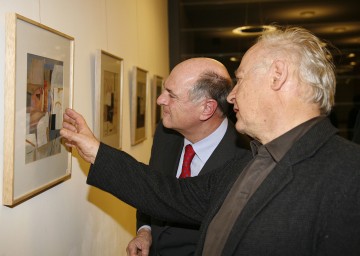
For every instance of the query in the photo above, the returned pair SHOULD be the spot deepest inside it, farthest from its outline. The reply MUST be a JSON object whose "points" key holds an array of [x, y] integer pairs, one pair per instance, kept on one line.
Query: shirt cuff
{"points": [[144, 227]]}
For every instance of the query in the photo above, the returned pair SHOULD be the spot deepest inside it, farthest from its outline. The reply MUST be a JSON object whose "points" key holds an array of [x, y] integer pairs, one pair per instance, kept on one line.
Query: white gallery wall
{"points": [[72, 218]]}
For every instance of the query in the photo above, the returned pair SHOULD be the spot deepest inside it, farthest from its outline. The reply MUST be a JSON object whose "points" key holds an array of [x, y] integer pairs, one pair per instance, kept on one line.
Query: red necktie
{"points": [[188, 156]]}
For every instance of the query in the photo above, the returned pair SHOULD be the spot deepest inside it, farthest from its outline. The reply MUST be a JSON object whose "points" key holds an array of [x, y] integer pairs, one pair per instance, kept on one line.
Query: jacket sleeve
{"points": [[340, 233], [142, 219], [161, 196]]}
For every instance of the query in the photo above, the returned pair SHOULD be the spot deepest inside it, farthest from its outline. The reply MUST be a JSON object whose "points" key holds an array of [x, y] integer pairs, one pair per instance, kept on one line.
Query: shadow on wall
{"points": [[119, 211], [122, 213]]}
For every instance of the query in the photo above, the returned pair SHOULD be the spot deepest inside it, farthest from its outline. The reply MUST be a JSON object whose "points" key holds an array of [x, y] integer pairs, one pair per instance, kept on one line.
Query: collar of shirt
{"points": [[278, 147], [203, 149]]}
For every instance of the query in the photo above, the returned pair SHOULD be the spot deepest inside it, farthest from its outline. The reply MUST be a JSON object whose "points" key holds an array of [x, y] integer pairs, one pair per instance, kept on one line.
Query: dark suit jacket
{"points": [[356, 136], [308, 205], [172, 238]]}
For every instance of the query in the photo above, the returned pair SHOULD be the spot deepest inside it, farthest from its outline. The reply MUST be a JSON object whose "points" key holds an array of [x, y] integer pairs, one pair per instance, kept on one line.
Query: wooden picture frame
{"points": [[108, 98], [156, 111], [38, 88], [138, 99]]}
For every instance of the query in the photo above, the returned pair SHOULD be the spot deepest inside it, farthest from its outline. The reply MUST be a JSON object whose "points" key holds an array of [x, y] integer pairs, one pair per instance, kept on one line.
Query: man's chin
{"points": [[166, 123], [239, 127]]}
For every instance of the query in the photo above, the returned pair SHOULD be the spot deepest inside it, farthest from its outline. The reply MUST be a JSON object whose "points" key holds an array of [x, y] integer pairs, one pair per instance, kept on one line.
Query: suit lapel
{"points": [[167, 150], [272, 185], [174, 152]]}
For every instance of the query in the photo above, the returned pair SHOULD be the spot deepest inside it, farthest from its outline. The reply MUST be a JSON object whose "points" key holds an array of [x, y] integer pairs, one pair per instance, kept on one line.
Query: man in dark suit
{"points": [[298, 195], [211, 134]]}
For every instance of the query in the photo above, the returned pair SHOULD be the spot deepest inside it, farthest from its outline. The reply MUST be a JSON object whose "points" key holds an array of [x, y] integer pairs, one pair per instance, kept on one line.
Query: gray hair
{"points": [[314, 60], [214, 86]]}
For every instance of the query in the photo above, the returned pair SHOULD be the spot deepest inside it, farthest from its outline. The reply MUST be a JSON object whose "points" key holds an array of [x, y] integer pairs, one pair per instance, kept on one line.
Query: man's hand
{"points": [[78, 135], [140, 245]]}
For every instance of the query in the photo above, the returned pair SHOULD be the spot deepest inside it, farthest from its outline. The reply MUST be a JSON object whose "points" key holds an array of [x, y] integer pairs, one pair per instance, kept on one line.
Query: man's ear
{"points": [[209, 108], [279, 74]]}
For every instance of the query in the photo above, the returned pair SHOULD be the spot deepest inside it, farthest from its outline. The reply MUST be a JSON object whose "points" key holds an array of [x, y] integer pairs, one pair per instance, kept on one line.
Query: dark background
{"points": [[204, 28]]}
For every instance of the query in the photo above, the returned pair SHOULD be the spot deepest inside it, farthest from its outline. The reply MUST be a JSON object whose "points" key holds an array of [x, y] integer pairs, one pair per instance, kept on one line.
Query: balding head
{"points": [[204, 77], [194, 67], [194, 97]]}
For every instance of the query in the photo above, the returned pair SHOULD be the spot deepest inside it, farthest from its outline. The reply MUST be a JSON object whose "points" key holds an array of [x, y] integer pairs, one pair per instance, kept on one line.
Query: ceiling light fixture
{"points": [[253, 30], [340, 29], [307, 14]]}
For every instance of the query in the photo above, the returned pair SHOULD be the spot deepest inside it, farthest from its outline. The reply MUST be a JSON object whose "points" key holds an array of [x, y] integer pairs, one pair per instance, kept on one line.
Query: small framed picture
{"points": [[108, 98], [38, 88], [138, 105], [156, 112]]}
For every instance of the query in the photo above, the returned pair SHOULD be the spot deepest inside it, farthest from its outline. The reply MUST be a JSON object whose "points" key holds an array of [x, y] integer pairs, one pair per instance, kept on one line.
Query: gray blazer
{"points": [[308, 205]]}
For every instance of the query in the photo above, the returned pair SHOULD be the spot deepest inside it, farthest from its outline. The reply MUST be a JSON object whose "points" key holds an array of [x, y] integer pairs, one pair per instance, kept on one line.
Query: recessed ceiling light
{"points": [[339, 29], [307, 14], [353, 63], [234, 59], [253, 30], [351, 55]]}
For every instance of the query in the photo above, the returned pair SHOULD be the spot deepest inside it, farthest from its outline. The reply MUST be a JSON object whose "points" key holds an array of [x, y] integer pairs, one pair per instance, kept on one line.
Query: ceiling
{"points": [[205, 27]]}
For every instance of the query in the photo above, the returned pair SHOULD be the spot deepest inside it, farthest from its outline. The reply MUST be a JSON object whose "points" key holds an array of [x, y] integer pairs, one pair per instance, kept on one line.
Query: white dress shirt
{"points": [[203, 149]]}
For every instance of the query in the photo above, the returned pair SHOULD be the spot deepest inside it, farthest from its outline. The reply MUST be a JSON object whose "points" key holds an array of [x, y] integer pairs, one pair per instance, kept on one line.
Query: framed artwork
{"points": [[138, 101], [108, 95], [38, 88], [156, 112]]}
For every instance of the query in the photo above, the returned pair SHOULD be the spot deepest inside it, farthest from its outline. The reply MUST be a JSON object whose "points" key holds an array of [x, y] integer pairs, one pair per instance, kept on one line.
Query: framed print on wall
{"points": [[138, 100], [156, 112], [38, 88], [108, 98]]}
